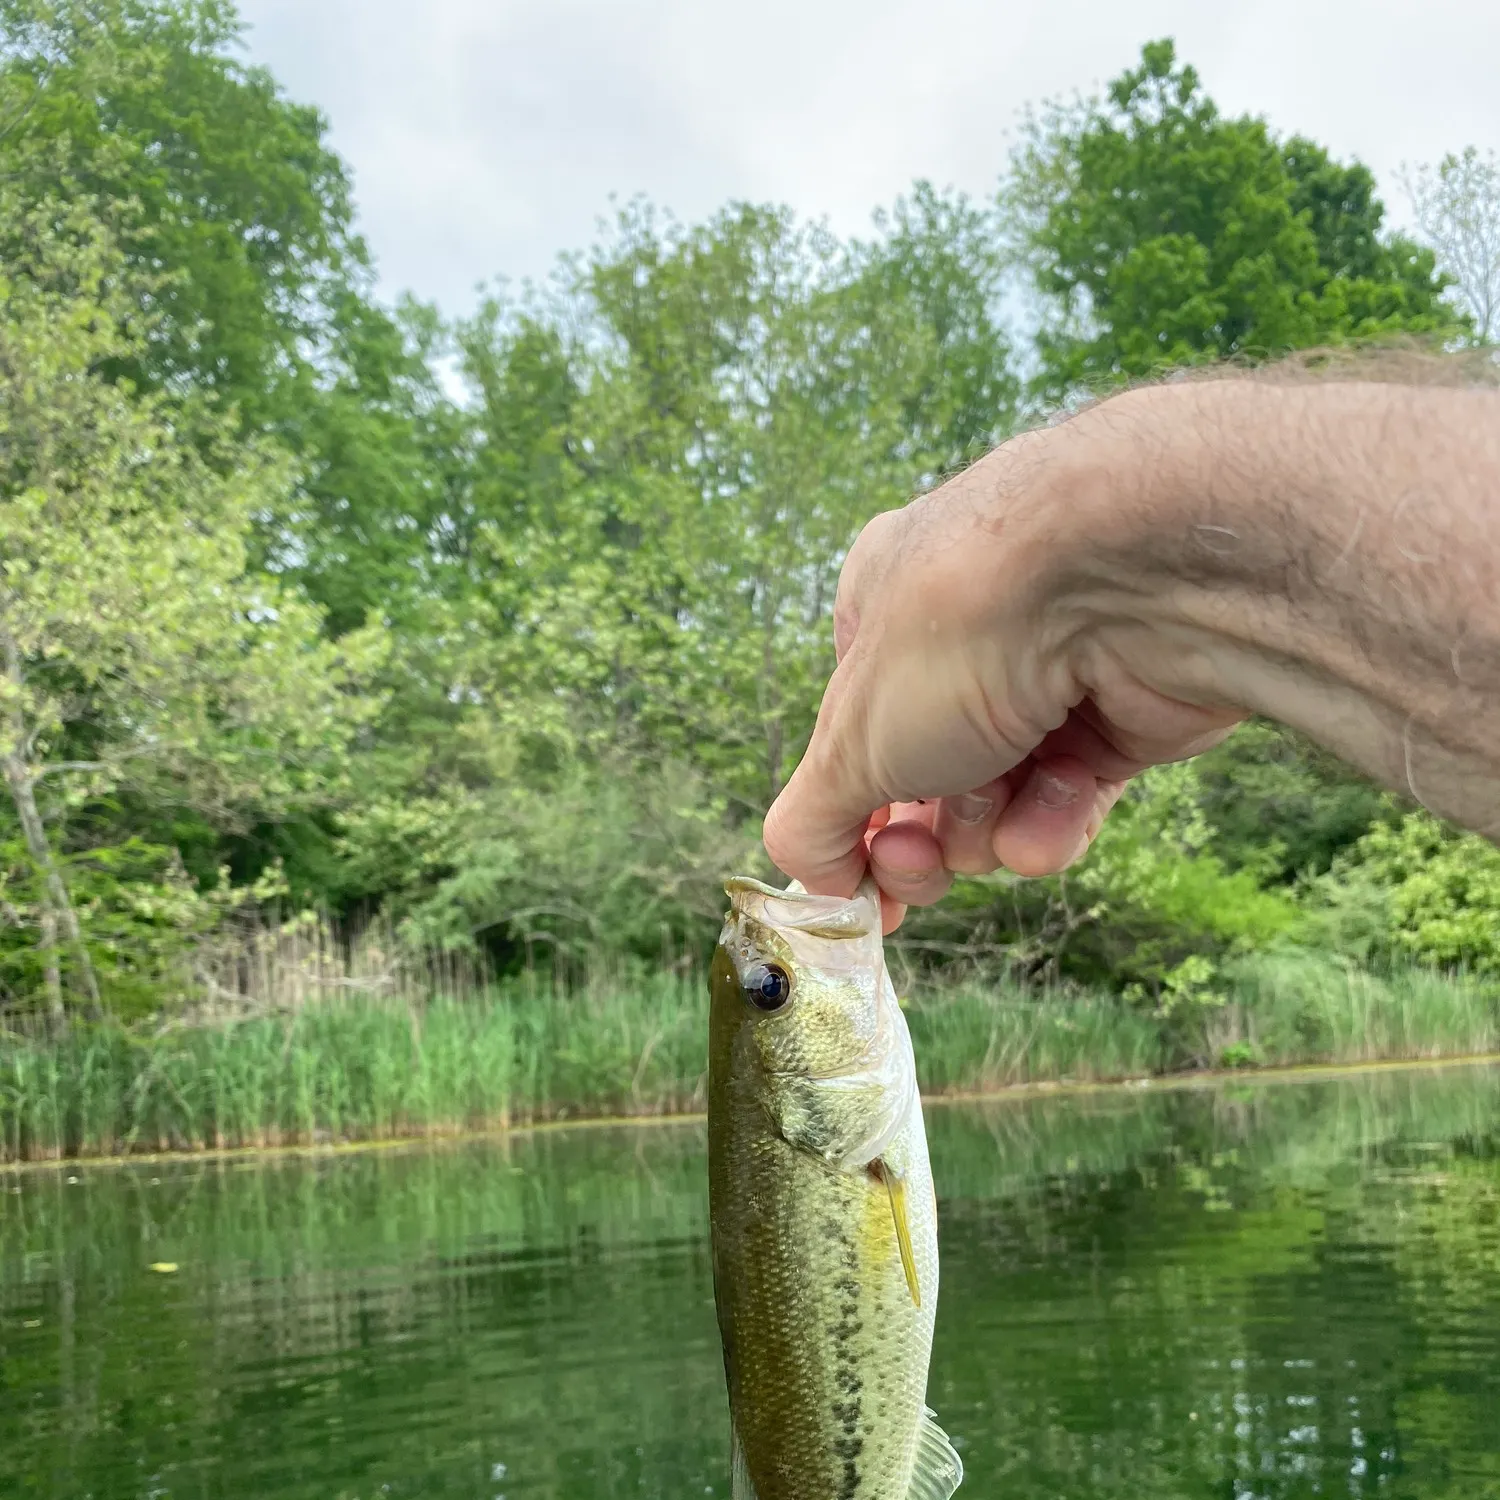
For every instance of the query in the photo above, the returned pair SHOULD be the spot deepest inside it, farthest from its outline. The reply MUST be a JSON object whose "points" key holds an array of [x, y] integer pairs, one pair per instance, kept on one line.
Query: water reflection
{"points": [[1274, 1290]]}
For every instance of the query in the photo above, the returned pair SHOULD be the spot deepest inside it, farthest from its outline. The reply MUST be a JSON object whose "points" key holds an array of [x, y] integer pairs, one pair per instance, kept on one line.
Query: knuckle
{"points": [[776, 835]]}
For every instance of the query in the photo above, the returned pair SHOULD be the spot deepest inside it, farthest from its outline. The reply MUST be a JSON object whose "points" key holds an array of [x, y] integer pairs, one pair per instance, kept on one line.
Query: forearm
{"points": [[1328, 556]]}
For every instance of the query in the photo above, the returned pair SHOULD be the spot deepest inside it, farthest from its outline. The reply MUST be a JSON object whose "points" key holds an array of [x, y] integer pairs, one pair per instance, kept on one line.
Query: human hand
{"points": [[980, 717], [1119, 591], [1005, 666]]}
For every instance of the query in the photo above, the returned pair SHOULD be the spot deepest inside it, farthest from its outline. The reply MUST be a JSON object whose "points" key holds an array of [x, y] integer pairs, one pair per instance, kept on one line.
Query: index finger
{"points": [[815, 830], [874, 744]]}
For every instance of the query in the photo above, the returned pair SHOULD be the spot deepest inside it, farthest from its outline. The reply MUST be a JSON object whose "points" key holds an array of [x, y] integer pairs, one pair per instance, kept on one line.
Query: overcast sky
{"points": [[486, 136]]}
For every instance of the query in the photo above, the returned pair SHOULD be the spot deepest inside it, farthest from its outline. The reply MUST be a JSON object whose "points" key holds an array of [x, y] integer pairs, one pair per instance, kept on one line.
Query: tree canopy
{"points": [[1165, 232], [512, 627]]}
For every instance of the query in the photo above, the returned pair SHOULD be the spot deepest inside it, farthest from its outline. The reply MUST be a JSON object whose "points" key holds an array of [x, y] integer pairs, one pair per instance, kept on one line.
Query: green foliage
{"points": [[1300, 1005], [1279, 806], [676, 451], [1168, 233], [145, 920], [974, 1038], [219, 178], [235, 218], [138, 651], [522, 671], [629, 1041], [1163, 895], [1438, 893], [1149, 899], [597, 862]]}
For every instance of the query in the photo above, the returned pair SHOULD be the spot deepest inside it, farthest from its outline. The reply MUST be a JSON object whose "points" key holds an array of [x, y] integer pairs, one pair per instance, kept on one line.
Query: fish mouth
{"points": [[797, 909], [746, 885]]}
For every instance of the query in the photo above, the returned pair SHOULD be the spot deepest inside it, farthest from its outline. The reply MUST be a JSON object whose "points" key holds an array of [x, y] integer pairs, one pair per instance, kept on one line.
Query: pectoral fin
{"points": [[740, 1487], [938, 1470], [895, 1186]]}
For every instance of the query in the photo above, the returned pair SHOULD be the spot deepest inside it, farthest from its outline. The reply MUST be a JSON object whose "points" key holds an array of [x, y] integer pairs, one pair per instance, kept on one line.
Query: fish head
{"points": [[800, 980]]}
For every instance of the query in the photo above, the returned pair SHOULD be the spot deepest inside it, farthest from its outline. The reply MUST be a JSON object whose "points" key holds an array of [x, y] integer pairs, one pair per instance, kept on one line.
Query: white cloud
{"points": [[487, 135]]}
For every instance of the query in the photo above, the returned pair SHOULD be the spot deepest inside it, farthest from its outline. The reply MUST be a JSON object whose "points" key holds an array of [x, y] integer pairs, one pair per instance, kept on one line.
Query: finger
{"points": [[888, 730], [1108, 794], [907, 862], [816, 830], [892, 911], [892, 914], [965, 827], [1045, 827], [868, 747]]}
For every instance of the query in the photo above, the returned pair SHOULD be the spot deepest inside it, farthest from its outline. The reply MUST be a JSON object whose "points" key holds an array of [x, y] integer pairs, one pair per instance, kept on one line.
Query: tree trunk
{"points": [[57, 906], [56, 1013]]}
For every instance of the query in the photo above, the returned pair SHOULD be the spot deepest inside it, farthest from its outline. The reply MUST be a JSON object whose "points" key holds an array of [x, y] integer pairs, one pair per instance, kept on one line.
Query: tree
{"points": [[136, 649], [140, 103], [211, 173], [1457, 205], [1436, 888], [1279, 805], [677, 454], [674, 445], [941, 258], [1163, 232]]}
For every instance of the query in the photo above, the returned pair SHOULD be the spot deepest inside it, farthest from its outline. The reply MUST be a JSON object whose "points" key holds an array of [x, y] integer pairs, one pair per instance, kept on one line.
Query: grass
{"points": [[366, 1066], [353, 1069], [974, 1039], [1298, 1007]]}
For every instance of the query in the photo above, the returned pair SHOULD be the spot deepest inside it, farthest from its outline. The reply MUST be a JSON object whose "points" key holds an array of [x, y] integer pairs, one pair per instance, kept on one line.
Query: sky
{"points": [[487, 136]]}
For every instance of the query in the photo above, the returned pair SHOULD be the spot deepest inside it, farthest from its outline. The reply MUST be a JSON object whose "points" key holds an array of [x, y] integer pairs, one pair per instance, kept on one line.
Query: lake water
{"points": [[1267, 1289]]}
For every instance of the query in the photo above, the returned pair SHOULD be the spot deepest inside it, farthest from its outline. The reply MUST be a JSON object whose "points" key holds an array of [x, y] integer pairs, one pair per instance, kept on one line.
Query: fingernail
{"points": [[971, 808], [1052, 791]]}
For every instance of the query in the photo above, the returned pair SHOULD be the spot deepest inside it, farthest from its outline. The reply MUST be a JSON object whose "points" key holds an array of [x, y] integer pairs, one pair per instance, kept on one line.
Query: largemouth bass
{"points": [[823, 1218]]}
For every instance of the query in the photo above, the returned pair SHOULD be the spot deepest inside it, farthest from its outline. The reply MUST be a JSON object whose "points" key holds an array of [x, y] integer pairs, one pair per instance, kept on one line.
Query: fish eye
{"points": [[768, 986]]}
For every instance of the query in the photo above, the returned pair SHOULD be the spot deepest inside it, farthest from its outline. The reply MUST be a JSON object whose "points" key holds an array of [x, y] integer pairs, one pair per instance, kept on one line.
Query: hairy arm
{"points": [[1120, 590]]}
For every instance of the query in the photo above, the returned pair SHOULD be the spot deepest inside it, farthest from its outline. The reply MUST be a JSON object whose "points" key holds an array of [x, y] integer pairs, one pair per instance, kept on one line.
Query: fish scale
{"points": [[813, 1116]]}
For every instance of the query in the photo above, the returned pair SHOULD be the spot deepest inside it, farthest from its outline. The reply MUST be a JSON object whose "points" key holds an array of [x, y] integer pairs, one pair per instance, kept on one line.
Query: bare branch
{"points": [[1457, 206], [62, 767]]}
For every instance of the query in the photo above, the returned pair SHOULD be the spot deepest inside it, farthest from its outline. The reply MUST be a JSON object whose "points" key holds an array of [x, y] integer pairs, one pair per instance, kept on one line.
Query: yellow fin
{"points": [[896, 1187]]}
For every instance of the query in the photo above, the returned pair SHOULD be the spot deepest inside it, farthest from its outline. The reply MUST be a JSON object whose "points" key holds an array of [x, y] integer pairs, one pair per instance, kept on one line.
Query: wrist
{"points": [[1162, 532], [1325, 555]]}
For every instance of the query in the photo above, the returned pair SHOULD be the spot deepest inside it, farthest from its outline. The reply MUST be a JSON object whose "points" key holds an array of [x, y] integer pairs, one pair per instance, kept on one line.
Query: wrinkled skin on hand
{"points": [[971, 724], [1119, 591]]}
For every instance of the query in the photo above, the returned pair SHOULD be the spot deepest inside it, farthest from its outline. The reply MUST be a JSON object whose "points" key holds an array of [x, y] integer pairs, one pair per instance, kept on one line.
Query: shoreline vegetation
{"points": [[346, 1064], [1202, 1078], [480, 645]]}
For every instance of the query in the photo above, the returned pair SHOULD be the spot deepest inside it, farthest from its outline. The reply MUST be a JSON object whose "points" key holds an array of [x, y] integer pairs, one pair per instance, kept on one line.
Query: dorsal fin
{"points": [[938, 1470]]}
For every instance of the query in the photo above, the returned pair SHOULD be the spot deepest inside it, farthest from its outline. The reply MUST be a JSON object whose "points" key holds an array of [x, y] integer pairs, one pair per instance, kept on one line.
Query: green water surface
{"points": [[1264, 1290]]}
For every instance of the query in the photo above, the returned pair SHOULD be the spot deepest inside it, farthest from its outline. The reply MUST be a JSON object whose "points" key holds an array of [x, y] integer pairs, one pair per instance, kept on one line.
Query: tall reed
{"points": [[372, 1061]]}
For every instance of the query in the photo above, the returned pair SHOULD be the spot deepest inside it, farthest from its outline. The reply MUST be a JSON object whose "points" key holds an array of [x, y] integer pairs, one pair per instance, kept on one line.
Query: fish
{"points": [[823, 1217]]}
